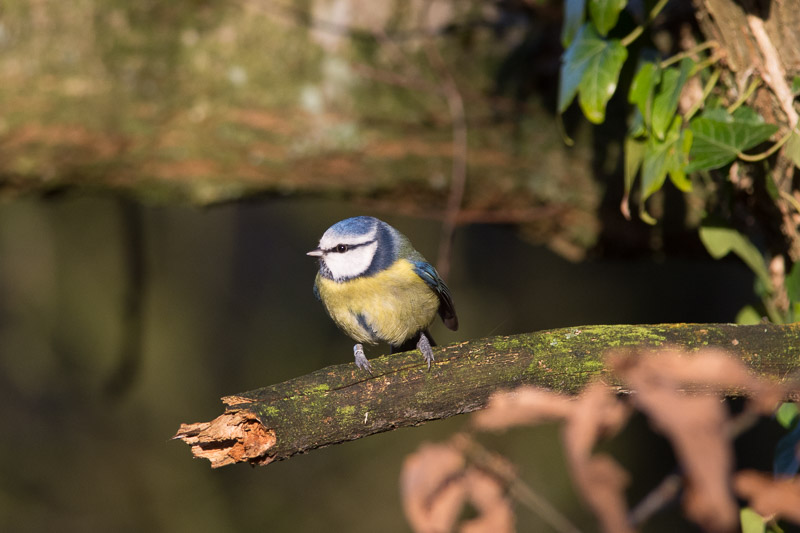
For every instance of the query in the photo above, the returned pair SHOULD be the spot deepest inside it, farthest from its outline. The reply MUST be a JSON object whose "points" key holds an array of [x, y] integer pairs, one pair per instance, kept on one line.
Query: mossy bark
{"points": [[341, 403]]}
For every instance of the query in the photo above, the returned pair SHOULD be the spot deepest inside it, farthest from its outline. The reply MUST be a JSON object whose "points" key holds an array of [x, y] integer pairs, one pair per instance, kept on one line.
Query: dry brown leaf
{"points": [[436, 482], [770, 497], [707, 370], [488, 496], [431, 488], [599, 479], [522, 406], [695, 424]]}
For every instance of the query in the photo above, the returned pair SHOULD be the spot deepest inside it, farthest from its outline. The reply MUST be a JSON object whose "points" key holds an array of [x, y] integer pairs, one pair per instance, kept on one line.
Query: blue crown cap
{"points": [[355, 225]]}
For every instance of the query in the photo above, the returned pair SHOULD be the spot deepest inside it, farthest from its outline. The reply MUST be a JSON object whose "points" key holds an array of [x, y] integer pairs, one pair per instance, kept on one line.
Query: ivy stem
{"points": [[705, 63], [688, 53], [637, 31], [791, 199], [754, 83], [709, 86], [774, 148]]}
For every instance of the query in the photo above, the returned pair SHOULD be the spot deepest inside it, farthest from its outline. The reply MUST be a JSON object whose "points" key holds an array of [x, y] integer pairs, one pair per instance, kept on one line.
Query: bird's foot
{"points": [[424, 346], [361, 359]]}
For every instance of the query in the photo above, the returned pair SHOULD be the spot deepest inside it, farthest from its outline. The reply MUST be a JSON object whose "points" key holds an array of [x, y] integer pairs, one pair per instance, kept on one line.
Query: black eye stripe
{"points": [[347, 247]]}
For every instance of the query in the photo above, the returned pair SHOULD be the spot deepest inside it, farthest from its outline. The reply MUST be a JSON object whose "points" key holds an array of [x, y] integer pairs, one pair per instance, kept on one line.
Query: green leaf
{"points": [[574, 62], [748, 316], [642, 87], [720, 241], [793, 283], [600, 81], [719, 137], [605, 14], [574, 15], [591, 65], [786, 414], [665, 102], [752, 522], [634, 153], [679, 161], [668, 156], [637, 128], [792, 149], [796, 85]]}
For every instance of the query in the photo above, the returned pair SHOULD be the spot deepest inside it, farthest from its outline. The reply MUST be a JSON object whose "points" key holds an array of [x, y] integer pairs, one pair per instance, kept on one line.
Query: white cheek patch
{"points": [[352, 263]]}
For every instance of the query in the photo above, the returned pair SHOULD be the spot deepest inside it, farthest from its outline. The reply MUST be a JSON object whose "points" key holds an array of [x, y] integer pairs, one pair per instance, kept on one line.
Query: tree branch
{"points": [[340, 403]]}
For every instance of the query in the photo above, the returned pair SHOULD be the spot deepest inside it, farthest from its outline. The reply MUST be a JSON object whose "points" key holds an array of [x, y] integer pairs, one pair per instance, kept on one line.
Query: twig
{"points": [[395, 78], [455, 104], [670, 487], [773, 73], [517, 488], [665, 493]]}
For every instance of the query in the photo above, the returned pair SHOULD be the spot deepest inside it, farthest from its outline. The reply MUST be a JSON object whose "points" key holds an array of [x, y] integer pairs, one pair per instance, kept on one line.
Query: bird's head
{"points": [[355, 247]]}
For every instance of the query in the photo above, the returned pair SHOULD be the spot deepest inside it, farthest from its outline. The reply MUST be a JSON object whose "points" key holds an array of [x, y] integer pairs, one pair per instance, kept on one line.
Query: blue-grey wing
{"points": [[446, 308], [316, 292]]}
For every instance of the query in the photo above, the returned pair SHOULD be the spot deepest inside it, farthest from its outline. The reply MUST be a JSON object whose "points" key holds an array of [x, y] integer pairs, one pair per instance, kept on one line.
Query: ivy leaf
{"points": [[634, 153], [665, 102], [605, 14], [573, 64], [751, 521], [720, 241], [796, 85], [600, 81], [786, 414], [642, 88], [591, 64], [748, 315], [793, 283], [679, 160], [792, 149], [668, 156], [719, 137], [574, 13]]}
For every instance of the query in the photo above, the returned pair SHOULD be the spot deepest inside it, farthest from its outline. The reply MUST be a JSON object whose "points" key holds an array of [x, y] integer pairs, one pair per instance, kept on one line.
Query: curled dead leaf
{"points": [[522, 406], [779, 498], [695, 424], [435, 484], [600, 480]]}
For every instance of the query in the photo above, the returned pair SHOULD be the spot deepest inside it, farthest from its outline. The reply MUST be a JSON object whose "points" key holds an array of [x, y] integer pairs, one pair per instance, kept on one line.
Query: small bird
{"points": [[377, 288]]}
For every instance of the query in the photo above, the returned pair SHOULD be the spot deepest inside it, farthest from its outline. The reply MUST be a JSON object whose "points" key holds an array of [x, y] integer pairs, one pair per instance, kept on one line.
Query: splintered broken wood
{"points": [[341, 403]]}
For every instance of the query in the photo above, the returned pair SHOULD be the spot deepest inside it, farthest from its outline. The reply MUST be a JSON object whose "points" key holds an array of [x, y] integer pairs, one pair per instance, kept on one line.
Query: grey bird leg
{"points": [[424, 346], [361, 359]]}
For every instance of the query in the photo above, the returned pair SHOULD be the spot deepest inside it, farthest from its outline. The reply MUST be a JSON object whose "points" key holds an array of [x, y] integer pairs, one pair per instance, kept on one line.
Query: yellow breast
{"points": [[390, 306]]}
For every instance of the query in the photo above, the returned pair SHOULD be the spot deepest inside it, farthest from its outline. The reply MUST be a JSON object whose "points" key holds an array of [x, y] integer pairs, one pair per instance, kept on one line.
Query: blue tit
{"points": [[377, 288]]}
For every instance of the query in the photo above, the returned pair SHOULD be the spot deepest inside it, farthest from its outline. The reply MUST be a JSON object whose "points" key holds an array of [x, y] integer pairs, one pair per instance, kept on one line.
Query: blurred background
{"points": [[164, 167]]}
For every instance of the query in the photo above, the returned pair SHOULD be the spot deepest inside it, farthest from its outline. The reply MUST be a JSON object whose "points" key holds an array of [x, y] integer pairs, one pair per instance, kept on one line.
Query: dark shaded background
{"points": [[226, 306]]}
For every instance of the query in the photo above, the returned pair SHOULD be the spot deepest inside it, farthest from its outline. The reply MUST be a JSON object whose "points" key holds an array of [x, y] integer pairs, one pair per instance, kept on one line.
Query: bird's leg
{"points": [[424, 346], [361, 359]]}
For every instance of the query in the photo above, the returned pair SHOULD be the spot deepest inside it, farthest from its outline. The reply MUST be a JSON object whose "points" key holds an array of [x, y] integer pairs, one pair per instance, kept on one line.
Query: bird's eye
{"points": [[342, 248]]}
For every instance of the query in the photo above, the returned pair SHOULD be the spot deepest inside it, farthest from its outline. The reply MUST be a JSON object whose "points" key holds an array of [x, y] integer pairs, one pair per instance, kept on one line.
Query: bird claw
{"points": [[424, 346], [361, 359]]}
